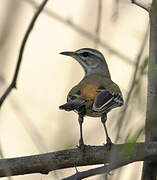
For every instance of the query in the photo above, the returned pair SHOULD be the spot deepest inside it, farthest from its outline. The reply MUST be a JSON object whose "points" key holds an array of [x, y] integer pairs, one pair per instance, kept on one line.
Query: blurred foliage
{"points": [[144, 65], [154, 6], [131, 141]]}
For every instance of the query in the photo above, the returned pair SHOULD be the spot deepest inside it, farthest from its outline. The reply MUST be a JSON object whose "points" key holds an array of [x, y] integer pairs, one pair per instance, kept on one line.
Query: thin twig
{"points": [[103, 169], [30, 27], [115, 10], [83, 32], [88, 173], [133, 82], [98, 24], [96, 171], [141, 4]]}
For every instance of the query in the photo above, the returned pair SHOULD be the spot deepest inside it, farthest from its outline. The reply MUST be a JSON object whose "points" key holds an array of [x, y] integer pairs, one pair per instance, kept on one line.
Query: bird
{"points": [[96, 94]]}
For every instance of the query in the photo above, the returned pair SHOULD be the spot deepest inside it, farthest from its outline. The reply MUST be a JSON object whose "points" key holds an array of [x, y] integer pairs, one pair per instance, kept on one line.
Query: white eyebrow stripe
{"points": [[89, 51]]}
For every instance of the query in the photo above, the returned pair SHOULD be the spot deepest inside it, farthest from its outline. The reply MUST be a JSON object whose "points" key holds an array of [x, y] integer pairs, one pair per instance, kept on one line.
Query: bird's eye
{"points": [[85, 54]]}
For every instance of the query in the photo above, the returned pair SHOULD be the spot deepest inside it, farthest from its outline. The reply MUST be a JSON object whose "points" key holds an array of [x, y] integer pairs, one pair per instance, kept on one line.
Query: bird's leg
{"points": [[108, 140], [81, 143]]}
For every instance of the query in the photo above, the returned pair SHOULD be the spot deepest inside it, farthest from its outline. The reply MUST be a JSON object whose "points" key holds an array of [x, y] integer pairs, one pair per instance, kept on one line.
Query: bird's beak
{"points": [[68, 53]]}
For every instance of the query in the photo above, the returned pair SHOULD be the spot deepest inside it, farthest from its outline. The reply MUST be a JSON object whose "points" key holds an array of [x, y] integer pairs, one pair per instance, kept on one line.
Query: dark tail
{"points": [[73, 105], [68, 107]]}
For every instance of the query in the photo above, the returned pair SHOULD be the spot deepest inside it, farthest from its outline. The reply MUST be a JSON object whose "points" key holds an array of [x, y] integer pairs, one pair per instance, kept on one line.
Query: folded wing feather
{"points": [[106, 100]]}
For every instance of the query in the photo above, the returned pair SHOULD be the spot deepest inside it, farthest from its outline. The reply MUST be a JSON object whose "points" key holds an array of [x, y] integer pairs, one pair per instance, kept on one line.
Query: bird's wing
{"points": [[107, 100]]}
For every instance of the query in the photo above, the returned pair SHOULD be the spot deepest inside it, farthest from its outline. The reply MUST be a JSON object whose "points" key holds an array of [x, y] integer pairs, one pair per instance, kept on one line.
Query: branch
{"points": [[120, 159], [88, 173], [149, 171], [6, 170], [44, 163], [30, 27], [141, 4]]}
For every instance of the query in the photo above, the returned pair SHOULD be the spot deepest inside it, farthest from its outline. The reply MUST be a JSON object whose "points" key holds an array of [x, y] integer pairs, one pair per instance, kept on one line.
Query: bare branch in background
{"points": [[7, 169], [83, 32], [133, 83], [8, 29], [44, 163], [141, 4], [115, 10], [31, 129], [98, 24], [30, 27], [29, 126]]}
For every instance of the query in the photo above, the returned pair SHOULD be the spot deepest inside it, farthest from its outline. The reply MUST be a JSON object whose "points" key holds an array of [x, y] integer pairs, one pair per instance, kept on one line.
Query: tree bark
{"points": [[122, 154], [149, 168]]}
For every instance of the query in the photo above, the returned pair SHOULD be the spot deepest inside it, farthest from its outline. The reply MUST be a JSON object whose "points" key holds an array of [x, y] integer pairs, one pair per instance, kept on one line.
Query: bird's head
{"points": [[91, 60]]}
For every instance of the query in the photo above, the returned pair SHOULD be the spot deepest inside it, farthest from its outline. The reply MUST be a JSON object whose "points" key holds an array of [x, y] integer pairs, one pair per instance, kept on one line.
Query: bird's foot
{"points": [[108, 144], [82, 146]]}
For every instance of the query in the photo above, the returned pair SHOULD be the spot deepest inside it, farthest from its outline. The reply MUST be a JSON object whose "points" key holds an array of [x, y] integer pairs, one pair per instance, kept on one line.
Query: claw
{"points": [[82, 146], [109, 144]]}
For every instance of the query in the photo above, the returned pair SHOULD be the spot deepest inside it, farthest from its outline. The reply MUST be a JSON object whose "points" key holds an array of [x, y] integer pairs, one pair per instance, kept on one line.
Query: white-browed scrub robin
{"points": [[96, 94]]}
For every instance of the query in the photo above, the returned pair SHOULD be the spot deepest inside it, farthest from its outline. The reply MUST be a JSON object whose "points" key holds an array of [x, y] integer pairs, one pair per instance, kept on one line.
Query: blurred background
{"points": [[30, 121]]}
